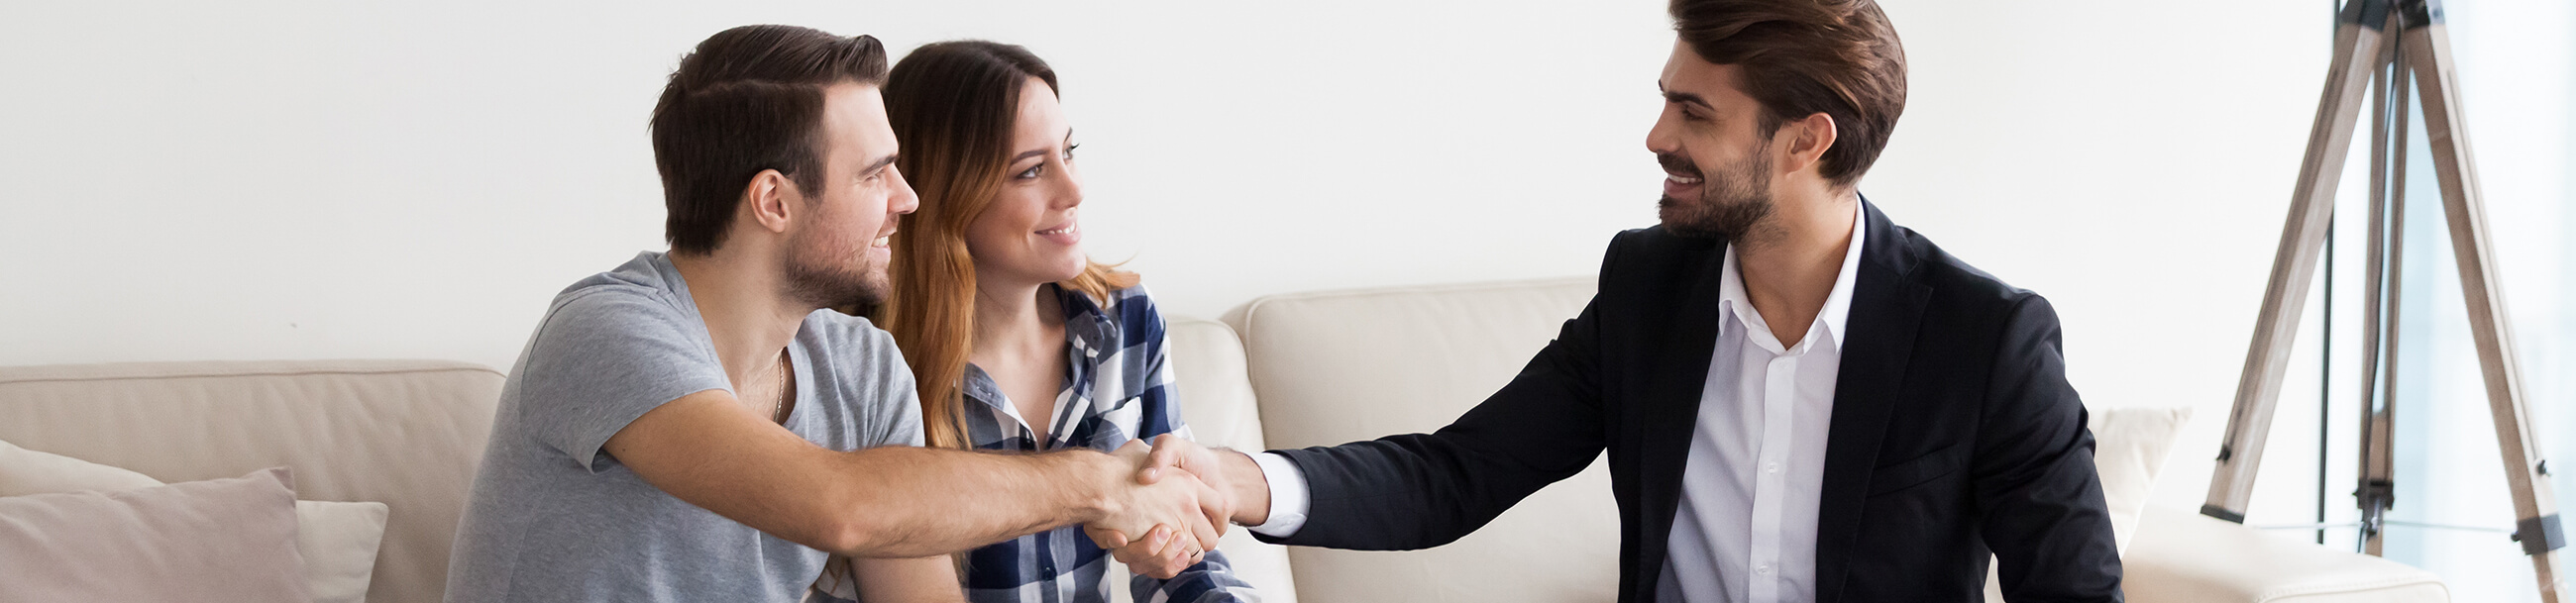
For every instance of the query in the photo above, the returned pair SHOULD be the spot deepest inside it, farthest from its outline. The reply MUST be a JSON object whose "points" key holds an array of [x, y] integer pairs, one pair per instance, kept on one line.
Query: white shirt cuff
{"points": [[1288, 495]]}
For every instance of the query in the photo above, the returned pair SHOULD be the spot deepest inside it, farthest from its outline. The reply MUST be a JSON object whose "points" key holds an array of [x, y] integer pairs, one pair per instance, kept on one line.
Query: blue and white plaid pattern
{"points": [[1120, 389]]}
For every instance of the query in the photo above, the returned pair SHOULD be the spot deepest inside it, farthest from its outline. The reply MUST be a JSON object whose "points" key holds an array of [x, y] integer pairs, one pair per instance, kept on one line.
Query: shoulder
{"points": [[1658, 242], [611, 303], [1960, 288], [1655, 265], [641, 285], [1656, 249], [1133, 304], [631, 301], [844, 338], [1976, 313], [1133, 316]]}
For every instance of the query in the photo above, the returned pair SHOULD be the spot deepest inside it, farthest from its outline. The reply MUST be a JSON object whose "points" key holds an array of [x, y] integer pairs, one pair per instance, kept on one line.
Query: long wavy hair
{"points": [[953, 106]]}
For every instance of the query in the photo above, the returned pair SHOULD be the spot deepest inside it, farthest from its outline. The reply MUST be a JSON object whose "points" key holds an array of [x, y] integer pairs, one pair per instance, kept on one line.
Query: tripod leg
{"points": [[2384, 445], [2376, 492], [2357, 52], [2535, 507]]}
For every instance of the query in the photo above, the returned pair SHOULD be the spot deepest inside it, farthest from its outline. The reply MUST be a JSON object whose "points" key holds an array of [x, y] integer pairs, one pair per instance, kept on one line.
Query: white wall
{"points": [[307, 179]]}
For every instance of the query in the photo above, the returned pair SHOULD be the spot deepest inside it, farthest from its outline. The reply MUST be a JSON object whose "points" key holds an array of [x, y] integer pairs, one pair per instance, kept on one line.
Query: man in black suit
{"points": [[1802, 401]]}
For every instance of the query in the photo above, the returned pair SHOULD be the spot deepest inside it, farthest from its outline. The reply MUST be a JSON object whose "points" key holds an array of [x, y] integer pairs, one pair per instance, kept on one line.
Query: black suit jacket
{"points": [[1954, 433]]}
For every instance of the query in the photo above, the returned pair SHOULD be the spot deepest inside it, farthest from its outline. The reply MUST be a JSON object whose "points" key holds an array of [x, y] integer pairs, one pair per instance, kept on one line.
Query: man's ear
{"points": [[770, 200], [1809, 137]]}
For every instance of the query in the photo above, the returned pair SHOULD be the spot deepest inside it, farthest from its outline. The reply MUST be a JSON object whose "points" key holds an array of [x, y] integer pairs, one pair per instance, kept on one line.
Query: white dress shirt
{"points": [[1745, 531]]}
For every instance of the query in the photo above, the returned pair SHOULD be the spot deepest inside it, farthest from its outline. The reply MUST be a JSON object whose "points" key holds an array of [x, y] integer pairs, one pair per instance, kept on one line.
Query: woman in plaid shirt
{"points": [[1019, 341]]}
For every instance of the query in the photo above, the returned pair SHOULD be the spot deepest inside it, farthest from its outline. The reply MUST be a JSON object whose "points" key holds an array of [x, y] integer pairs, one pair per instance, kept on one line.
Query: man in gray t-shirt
{"points": [[552, 519], [693, 426]]}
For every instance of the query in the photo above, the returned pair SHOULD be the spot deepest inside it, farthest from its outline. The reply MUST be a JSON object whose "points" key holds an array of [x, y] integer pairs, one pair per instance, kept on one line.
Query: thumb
{"points": [[1107, 538], [1167, 456]]}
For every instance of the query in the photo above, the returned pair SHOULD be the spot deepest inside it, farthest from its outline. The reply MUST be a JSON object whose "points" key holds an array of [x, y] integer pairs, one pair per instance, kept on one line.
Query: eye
{"points": [[1068, 152], [1031, 173]]}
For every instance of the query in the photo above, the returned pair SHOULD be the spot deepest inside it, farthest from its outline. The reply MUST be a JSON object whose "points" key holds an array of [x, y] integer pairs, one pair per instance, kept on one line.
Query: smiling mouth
{"points": [[882, 241], [1679, 170], [1068, 228]]}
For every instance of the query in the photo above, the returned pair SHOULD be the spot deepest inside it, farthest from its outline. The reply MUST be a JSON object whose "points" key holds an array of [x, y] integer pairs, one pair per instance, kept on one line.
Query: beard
{"points": [[1730, 205], [831, 272]]}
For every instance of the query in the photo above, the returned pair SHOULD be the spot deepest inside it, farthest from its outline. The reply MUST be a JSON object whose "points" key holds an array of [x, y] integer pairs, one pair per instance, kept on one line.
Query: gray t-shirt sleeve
{"points": [[613, 354]]}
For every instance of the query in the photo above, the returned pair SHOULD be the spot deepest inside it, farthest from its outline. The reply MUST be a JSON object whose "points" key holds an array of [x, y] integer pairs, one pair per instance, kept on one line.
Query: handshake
{"points": [[1181, 497]]}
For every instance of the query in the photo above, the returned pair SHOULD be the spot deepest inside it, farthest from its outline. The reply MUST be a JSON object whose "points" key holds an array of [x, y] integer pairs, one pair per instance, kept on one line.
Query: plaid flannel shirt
{"points": [[1119, 388]]}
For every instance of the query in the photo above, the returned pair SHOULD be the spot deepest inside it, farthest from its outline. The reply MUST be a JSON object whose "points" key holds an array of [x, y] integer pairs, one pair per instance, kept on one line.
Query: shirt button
{"points": [[1772, 467], [1762, 569]]}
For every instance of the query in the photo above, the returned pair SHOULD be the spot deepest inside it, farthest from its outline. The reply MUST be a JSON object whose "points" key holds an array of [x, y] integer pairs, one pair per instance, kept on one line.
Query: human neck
{"points": [[1014, 317], [1790, 269], [742, 297]]}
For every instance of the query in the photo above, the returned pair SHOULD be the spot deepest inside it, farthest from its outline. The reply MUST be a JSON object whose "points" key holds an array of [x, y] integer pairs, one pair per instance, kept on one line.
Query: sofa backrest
{"points": [[407, 433], [1339, 366]]}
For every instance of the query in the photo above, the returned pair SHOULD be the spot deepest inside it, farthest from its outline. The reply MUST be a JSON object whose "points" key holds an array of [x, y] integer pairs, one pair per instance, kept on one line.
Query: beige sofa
{"points": [[1335, 366], [1280, 371]]}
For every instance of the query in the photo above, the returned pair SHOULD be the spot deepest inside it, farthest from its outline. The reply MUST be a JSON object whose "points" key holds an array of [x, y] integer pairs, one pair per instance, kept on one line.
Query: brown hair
{"points": [[1803, 57], [953, 105], [748, 99]]}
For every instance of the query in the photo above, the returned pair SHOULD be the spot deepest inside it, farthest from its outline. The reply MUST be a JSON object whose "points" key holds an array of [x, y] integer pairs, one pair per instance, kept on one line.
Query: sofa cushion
{"points": [[407, 433], [216, 540], [2186, 557]]}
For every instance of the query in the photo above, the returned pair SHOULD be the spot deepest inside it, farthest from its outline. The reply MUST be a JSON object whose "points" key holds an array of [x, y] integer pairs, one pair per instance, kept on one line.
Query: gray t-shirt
{"points": [[552, 517]]}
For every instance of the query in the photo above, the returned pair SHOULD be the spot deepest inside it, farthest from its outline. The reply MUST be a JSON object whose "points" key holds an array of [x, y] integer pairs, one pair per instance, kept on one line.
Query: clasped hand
{"points": [[1179, 514]]}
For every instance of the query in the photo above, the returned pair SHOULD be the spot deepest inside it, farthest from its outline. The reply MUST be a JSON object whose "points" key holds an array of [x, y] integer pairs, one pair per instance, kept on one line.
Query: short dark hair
{"points": [[748, 99], [1803, 57]]}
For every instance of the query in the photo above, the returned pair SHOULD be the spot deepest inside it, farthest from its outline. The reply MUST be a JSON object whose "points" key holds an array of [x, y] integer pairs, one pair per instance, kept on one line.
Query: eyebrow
{"points": [[1068, 136], [874, 166], [1687, 98]]}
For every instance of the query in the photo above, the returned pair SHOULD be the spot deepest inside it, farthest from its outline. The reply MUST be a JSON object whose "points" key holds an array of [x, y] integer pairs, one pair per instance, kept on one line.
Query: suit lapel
{"points": [[1670, 408], [1886, 310]]}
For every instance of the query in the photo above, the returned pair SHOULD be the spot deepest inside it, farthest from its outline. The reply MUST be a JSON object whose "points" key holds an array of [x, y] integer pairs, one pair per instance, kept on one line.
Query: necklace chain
{"points": [[778, 404]]}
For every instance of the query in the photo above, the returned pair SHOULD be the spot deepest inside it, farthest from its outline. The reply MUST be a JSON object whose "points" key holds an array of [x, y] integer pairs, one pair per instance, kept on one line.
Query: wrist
{"points": [[1098, 480], [1251, 489]]}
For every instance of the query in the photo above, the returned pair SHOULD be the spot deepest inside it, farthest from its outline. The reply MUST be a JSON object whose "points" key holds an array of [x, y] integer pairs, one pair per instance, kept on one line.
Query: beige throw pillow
{"points": [[338, 540], [24, 471], [215, 541]]}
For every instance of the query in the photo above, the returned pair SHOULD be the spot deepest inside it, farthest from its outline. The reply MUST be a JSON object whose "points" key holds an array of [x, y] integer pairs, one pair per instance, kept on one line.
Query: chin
{"points": [[1065, 268]]}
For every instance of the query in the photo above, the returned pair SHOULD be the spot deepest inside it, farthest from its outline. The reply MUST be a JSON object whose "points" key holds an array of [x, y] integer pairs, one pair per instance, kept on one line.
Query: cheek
{"points": [[852, 220], [1004, 222]]}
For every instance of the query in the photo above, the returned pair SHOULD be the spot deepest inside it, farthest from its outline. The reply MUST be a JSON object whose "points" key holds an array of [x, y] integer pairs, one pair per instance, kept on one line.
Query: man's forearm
{"points": [[892, 501], [913, 502]]}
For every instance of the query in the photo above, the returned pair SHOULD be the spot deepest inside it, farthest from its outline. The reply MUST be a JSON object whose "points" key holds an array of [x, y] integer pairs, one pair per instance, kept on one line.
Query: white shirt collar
{"points": [[1731, 296]]}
